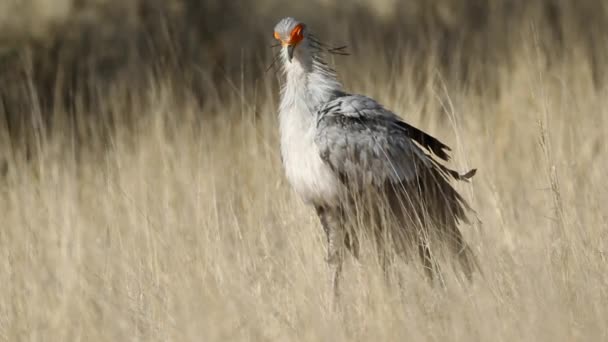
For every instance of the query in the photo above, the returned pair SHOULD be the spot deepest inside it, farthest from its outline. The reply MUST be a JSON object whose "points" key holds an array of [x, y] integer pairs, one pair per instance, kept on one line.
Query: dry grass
{"points": [[178, 225]]}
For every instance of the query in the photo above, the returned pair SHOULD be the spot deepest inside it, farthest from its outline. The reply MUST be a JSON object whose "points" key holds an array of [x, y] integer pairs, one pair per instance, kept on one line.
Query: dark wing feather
{"points": [[425, 140]]}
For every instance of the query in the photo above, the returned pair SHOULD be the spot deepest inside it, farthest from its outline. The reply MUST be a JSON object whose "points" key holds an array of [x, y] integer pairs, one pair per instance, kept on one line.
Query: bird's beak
{"points": [[290, 49]]}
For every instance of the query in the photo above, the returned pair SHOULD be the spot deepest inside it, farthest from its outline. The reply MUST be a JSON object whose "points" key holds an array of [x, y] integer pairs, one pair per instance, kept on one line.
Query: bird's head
{"points": [[290, 33]]}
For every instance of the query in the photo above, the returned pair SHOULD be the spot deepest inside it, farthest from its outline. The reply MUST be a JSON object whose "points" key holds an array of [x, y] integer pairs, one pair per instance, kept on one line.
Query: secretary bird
{"points": [[360, 165]]}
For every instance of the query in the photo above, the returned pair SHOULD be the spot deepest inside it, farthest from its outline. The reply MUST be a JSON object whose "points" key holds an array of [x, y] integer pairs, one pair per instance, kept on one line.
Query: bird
{"points": [[357, 162]]}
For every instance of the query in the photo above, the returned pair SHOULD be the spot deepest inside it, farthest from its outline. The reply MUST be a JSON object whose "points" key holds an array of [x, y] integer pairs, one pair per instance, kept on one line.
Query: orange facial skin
{"points": [[295, 36]]}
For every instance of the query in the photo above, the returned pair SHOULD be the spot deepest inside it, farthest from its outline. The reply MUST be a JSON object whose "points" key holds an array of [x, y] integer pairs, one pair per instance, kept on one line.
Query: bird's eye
{"points": [[276, 35], [296, 34]]}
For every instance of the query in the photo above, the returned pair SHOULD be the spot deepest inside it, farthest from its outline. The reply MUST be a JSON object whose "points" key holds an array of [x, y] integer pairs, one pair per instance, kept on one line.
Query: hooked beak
{"points": [[290, 49]]}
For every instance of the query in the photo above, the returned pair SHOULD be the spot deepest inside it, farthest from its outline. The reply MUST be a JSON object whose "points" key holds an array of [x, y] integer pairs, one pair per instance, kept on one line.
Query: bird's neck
{"points": [[309, 83]]}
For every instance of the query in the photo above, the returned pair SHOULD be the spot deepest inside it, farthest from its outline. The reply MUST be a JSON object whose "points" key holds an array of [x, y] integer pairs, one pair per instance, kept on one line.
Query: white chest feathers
{"points": [[310, 177]]}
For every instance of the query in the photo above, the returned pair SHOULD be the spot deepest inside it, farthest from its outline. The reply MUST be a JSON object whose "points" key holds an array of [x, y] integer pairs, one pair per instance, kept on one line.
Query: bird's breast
{"points": [[309, 176]]}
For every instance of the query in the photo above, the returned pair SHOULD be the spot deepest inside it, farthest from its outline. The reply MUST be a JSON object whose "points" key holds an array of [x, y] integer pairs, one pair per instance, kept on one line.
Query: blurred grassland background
{"points": [[142, 195]]}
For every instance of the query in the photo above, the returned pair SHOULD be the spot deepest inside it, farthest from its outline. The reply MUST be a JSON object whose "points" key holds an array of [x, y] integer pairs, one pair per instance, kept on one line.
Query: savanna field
{"points": [[142, 196]]}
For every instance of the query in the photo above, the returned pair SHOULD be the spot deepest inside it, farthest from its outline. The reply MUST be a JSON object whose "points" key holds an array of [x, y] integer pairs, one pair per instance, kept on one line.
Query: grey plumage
{"points": [[362, 141], [370, 148], [356, 161]]}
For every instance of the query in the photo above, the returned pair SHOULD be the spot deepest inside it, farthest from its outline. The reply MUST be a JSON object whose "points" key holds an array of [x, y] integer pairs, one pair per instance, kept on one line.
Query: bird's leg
{"points": [[351, 241], [335, 258], [331, 219]]}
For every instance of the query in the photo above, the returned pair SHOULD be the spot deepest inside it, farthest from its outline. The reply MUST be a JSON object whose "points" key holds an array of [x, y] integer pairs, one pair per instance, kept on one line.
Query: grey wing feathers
{"points": [[363, 142]]}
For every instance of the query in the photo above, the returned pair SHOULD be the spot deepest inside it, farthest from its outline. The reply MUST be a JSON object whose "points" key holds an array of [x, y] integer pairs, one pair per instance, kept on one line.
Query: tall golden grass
{"points": [[152, 206]]}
